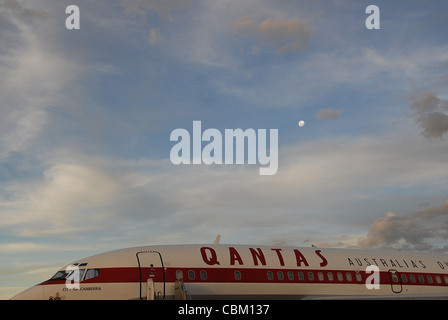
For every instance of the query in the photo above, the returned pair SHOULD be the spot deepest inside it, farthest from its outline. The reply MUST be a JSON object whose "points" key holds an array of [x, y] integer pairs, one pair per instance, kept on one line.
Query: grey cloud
{"points": [[434, 124], [139, 7], [429, 115], [432, 212], [282, 35], [391, 229], [328, 113], [409, 231], [154, 35]]}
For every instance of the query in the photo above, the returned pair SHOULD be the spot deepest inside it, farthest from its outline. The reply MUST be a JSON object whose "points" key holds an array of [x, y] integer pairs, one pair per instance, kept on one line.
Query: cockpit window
{"points": [[92, 273], [72, 274], [60, 275]]}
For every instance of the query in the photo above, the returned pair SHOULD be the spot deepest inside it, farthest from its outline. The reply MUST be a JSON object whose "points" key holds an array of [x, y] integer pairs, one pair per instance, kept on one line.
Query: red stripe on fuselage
{"points": [[254, 275]]}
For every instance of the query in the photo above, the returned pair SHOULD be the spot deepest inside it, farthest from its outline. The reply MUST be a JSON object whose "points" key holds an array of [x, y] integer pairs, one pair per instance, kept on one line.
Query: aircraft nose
{"points": [[33, 293]]}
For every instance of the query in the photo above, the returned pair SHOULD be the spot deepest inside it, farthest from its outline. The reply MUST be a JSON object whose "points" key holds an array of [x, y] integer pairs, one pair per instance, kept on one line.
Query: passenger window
{"points": [[412, 277], [91, 273], [310, 276], [191, 275], [429, 278], [404, 279], [421, 279], [330, 276], [300, 275], [280, 275], [358, 277], [340, 277], [290, 275], [179, 274], [203, 274], [438, 279], [320, 276], [349, 276], [394, 277], [270, 275], [237, 275]]}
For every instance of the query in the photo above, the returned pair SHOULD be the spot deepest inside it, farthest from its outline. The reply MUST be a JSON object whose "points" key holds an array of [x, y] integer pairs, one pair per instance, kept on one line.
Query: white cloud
{"points": [[33, 80], [314, 180], [25, 247], [63, 202], [23, 12]]}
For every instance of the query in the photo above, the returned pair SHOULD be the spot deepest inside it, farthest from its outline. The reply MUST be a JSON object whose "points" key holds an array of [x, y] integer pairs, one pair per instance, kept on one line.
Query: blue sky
{"points": [[86, 117]]}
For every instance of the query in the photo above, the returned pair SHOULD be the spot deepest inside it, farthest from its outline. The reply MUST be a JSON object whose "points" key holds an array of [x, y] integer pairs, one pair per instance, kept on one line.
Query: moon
{"points": [[301, 123]]}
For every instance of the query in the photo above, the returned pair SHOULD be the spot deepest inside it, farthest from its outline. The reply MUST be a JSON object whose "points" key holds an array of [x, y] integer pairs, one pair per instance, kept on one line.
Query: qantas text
{"points": [[210, 257]]}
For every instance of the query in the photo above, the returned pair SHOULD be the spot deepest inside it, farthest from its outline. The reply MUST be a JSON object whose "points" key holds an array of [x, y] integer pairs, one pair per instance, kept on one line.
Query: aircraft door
{"points": [[152, 275], [395, 281]]}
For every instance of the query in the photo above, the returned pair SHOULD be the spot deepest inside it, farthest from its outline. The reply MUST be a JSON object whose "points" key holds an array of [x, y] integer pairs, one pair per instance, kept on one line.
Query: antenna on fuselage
{"points": [[218, 237]]}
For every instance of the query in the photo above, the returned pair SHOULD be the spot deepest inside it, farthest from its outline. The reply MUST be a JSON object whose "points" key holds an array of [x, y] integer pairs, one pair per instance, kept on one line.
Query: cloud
{"points": [[99, 196], [65, 197], [139, 7], [154, 35], [88, 196], [281, 35], [17, 8], [410, 231], [390, 229], [26, 247], [429, 113], [328, 113], [34, 76]]}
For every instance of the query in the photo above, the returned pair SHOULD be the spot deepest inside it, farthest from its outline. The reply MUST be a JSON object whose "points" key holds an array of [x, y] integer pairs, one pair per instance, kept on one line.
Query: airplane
{"points": [[224, 271]]}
